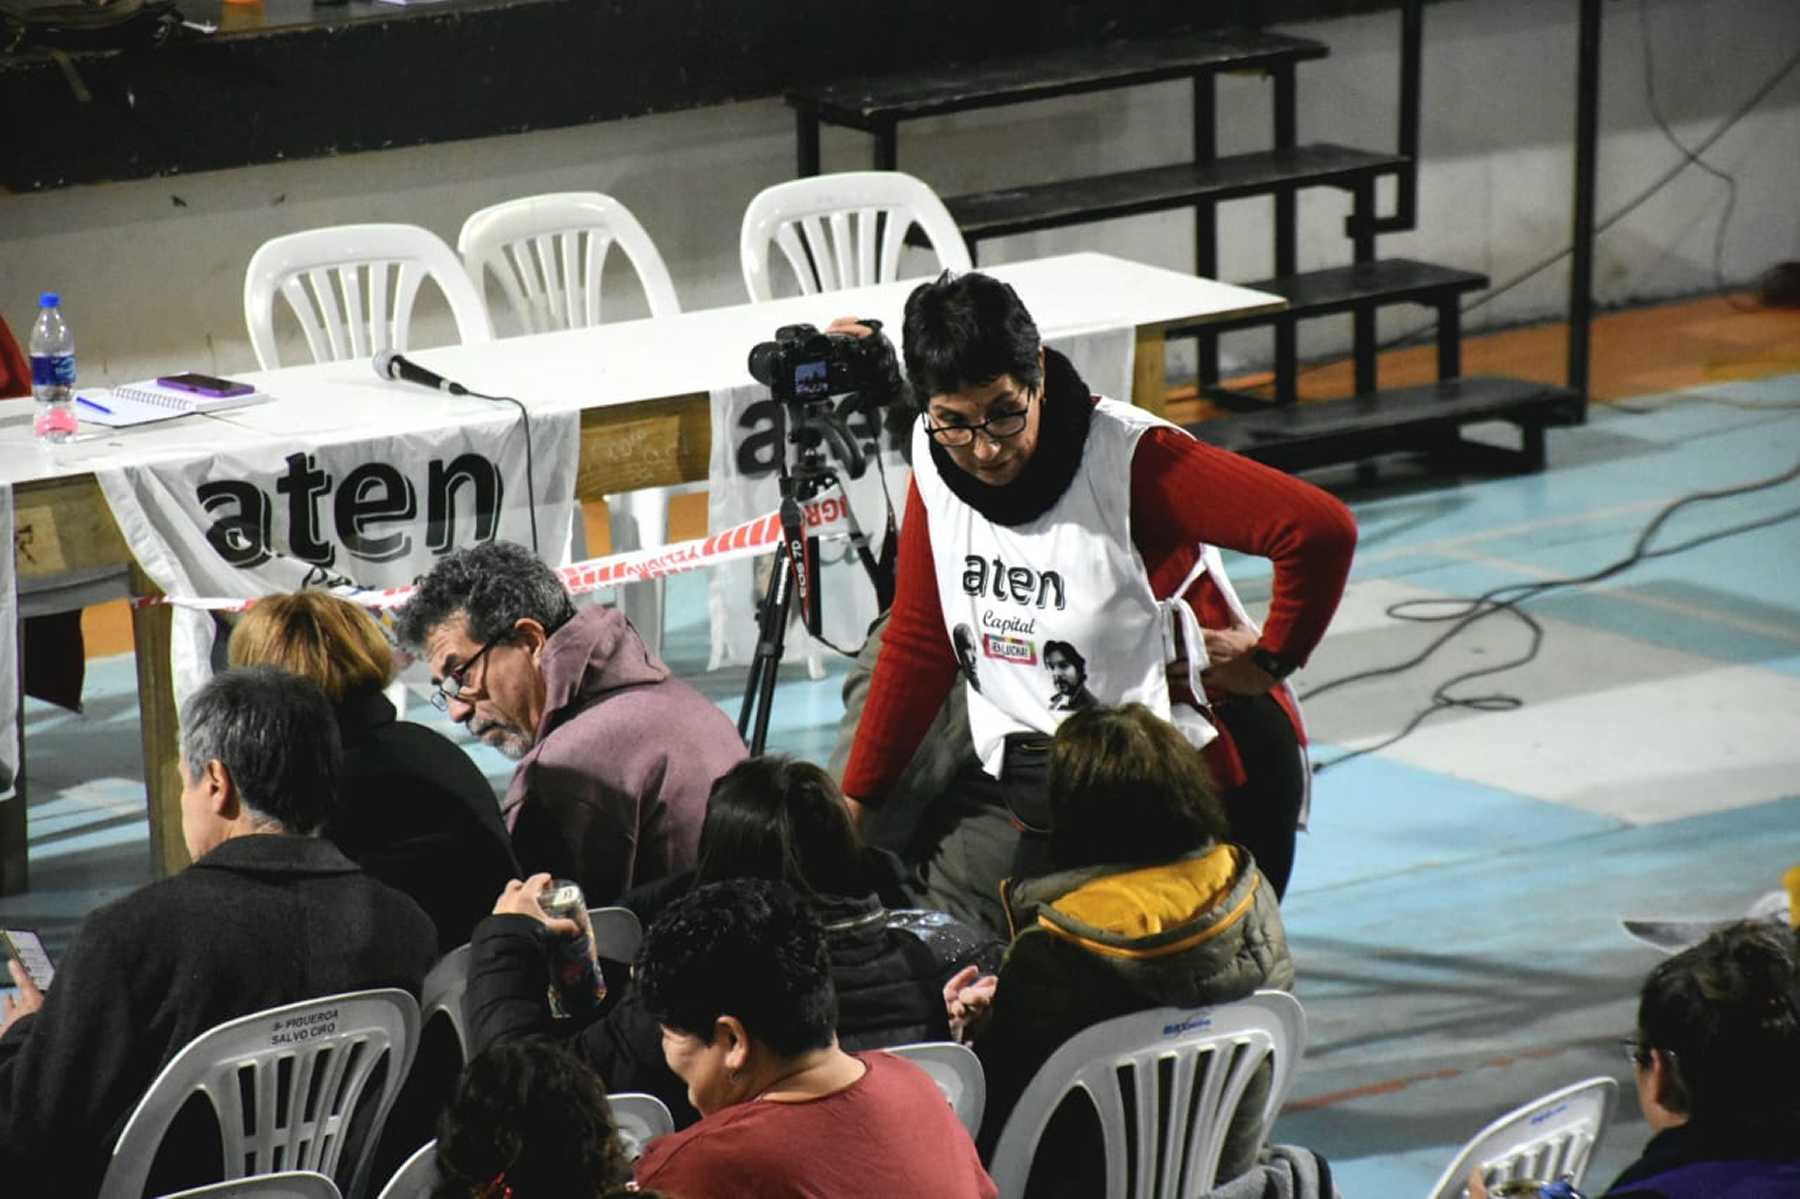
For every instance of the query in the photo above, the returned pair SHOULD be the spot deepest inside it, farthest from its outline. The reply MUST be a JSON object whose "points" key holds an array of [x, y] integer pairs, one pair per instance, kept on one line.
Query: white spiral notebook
{"points": [[143, 403]]}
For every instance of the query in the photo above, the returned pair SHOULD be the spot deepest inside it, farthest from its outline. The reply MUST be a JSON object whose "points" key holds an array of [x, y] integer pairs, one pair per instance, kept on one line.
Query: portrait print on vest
{"points": [[1068, 677], [963, 638]]}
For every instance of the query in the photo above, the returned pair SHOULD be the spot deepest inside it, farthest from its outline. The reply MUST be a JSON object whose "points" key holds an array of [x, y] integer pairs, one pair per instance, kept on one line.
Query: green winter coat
{"points": [[1104, 941]]}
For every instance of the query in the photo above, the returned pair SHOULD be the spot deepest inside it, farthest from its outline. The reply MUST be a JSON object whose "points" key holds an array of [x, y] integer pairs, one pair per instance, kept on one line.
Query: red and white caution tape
{"points": [[825, 517]]}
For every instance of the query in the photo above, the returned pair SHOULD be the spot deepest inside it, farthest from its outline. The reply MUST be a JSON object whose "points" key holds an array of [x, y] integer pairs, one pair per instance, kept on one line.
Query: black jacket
{"points": [[889, 965], [260, 921], [415, 812]]}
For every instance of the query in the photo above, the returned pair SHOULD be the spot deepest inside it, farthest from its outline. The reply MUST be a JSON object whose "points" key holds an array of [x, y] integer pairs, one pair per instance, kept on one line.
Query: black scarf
{"points": [[1068, 407]]}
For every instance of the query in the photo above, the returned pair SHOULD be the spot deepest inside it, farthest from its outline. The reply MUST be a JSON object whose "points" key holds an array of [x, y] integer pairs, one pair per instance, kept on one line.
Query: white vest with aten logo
{"points": [[1013, 597]]}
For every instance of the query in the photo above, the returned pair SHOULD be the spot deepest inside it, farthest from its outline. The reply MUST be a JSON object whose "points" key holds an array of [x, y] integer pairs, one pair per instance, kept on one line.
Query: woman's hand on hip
{"points": [[1229, 665]]}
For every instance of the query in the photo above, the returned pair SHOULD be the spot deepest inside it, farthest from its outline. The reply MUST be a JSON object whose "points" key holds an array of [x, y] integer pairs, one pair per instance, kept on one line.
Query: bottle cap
{"points": [[49, 300]]}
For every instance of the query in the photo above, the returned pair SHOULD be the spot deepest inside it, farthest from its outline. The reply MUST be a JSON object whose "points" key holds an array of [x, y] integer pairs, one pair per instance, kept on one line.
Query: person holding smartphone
{"points": [[269, 913], [28, 1000]]}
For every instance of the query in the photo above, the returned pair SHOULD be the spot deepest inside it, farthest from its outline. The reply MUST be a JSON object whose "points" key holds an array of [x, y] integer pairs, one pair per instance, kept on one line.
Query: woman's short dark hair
{"points": [[1126, 787], [776, 818], [965, 330], [1728, 1009], [747, 948], [530, 1111]]}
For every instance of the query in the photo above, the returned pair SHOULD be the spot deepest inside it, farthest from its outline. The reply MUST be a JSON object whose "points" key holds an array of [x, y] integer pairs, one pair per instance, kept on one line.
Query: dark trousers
{"points": [[1264, 813], [984, 835]]}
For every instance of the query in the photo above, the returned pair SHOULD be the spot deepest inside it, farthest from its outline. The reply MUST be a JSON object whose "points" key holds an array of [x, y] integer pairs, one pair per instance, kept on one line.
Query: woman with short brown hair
{"points": [[413, 810]]}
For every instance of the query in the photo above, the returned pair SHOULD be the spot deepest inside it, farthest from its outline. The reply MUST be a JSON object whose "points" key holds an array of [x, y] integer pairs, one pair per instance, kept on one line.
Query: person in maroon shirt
{"points": [[1008, 422], [738, 976]]}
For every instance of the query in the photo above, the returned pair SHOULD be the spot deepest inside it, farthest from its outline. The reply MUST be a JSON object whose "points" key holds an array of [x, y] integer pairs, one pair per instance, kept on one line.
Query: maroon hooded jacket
{"points": [[614, 791]]}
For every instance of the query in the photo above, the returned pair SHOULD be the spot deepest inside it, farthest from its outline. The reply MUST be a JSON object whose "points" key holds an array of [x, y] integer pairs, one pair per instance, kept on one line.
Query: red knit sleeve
{"points": [[15, 372], [914, 673], [1184, 491]]}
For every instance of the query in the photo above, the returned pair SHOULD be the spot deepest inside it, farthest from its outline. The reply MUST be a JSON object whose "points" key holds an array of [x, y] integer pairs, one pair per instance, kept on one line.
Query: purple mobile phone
{"points": [[206, 385]]}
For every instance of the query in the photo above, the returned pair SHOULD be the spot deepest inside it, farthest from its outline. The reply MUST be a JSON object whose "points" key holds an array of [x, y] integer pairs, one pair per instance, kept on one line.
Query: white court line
{"points": [[1743, 624]]}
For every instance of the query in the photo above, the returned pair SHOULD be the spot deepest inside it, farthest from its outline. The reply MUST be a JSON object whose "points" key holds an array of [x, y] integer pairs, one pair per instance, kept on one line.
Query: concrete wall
{"points": [[152, 271]]}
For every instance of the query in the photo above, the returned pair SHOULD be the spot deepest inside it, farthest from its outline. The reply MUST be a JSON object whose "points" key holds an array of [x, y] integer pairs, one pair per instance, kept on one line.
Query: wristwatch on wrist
{"points": [[1272, 664]]}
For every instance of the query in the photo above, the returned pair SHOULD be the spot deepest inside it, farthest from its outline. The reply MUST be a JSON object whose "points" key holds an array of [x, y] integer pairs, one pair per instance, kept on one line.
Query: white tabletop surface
{"points": [[618, 363]]}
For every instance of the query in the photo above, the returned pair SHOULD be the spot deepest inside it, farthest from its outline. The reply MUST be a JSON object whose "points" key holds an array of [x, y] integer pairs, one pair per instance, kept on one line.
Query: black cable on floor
{"points": [[1508, 597]]}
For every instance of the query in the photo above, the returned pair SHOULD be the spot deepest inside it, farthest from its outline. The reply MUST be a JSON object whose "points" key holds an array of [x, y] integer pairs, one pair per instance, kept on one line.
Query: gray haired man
{"points": [[268, 914], [616, 755]]}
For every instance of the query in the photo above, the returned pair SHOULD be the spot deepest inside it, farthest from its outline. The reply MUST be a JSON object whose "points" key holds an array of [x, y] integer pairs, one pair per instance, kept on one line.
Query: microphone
{"points": [[389, 364]]}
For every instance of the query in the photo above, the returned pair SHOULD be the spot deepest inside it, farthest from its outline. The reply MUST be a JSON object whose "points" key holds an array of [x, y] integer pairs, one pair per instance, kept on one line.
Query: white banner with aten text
{"points": [[748, 434], [375, 512]]}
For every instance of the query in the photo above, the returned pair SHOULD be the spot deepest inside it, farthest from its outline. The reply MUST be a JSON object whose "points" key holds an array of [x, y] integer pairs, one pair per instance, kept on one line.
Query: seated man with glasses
{"points": [[616, 755]]}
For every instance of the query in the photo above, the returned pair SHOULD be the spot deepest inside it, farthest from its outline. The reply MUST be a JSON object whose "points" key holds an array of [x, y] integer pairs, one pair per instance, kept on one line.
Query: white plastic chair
{"points": [[845, 230], [617, 933], [957, 1072], [289, 1184], [415, 1177], [1212, 1054], [310, 1060], [1546, 1139], [640, 1119], [549, 253], [443, 992], [337, 282]]}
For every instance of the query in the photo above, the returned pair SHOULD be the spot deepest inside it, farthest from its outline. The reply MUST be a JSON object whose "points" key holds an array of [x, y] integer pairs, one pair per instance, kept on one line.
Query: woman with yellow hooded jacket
{"points": [[1148, 907]]}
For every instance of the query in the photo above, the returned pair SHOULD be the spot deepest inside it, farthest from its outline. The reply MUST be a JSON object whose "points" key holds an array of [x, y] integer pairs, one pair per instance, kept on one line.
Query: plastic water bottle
{"points": [[53, 371]]}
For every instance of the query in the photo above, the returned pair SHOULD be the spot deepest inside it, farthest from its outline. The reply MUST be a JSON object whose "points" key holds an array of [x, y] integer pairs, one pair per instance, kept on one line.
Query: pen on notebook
{"points": [[80, 399]]}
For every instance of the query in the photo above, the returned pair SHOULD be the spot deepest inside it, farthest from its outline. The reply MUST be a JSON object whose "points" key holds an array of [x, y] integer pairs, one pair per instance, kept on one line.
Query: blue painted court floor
{"points": [[1455, 911]]}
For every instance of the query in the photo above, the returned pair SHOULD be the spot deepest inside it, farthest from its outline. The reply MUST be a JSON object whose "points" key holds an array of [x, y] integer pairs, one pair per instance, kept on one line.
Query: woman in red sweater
{"points": [[1077, 541]]}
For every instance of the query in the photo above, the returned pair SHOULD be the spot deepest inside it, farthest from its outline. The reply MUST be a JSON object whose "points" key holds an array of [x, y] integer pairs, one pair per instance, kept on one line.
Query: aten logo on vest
{"points": [[1020, 584], [369, 499]]}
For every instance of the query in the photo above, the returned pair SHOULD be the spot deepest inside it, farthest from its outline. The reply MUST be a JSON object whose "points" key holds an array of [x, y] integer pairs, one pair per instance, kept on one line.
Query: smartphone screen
{"points": [[24, 945], [206, 385]]}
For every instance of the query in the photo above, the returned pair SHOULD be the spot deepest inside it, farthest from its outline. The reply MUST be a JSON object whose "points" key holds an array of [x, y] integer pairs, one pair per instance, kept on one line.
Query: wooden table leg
{"points": [[152, 630], [1149, 371]]}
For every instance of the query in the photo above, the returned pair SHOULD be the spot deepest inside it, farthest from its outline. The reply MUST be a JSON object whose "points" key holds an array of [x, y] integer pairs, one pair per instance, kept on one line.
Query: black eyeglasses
{"points": [[1636, 1052], [998, 427], [451, 686]]}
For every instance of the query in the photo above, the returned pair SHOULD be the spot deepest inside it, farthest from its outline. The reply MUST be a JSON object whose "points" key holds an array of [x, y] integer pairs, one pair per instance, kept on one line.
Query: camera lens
{"points": [[765, 358]]}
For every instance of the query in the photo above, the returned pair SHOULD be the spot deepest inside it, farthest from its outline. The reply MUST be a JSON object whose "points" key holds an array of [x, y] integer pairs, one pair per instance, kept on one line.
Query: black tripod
{"points": [[796, 569]]}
